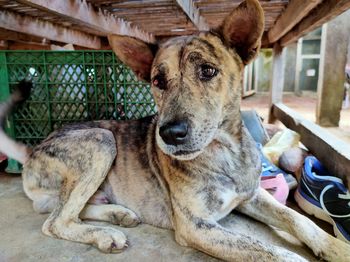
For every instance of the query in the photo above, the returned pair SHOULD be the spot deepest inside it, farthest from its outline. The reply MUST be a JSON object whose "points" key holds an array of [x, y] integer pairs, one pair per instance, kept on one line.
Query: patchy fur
{"points": [[184, 169]]}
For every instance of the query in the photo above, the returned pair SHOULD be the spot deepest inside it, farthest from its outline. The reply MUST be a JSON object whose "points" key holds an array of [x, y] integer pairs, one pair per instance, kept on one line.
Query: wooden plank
{"points": [[193, 14], [330, 89], [29, 25], [330, 150], [82, 13], [296, 10], [28, 46], [19, 37], [277, 83], [324, 12]]}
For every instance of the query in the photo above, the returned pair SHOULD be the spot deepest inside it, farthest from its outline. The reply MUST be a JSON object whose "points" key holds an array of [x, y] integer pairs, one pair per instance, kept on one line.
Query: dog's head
{"points": [[196, 80]]}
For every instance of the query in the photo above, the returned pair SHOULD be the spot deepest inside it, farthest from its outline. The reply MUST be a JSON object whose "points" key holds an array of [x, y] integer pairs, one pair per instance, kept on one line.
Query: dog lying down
{"points": [[183, 169]]}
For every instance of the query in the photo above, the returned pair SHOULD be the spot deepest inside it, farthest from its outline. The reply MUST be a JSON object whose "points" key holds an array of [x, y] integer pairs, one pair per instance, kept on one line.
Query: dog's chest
{"points": [[226, 201], [222, 194], [221, 180]]}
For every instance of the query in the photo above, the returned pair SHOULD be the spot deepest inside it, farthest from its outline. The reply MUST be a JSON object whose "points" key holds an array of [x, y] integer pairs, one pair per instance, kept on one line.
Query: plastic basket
{"points": [[69, 86]]}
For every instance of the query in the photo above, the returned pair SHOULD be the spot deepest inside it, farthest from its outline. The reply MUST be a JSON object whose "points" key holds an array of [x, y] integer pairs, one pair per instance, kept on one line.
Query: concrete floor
{"points": [[21, 238]]}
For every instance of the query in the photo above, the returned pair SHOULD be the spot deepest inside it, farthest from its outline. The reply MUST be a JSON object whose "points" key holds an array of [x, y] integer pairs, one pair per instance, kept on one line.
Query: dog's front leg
{"points": [[215, 240], [265, 208]]}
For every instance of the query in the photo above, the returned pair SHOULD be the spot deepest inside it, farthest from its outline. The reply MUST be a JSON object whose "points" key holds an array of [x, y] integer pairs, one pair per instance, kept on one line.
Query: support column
{"points": [[330, 90], [277, 83], [290, 62]]}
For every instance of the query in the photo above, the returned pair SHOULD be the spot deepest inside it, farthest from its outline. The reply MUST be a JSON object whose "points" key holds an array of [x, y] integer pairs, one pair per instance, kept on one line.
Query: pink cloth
{"points": [[278, 186]]}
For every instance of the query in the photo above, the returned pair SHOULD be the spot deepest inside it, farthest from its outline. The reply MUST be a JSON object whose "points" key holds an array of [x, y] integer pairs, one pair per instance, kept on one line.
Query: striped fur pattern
{"points": [[127, 172]]}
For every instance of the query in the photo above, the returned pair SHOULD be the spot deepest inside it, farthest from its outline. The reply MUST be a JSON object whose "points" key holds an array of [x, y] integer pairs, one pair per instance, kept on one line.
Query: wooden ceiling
{"points": [[86, 23]]}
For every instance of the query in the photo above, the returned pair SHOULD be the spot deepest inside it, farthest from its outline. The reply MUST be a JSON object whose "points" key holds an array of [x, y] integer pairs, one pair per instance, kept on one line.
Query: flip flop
{"points": [[277, 186]]}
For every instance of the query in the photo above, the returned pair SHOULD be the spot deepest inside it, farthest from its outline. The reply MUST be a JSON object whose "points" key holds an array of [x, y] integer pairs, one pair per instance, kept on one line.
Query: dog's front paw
{"points": [[340, 251], [288, 256], [110, 240], [336, 250]]}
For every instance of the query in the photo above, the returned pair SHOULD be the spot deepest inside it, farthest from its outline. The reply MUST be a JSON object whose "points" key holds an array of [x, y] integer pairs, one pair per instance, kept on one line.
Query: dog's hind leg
{"points": [[84, 158], [41, 188], [266, 209], [115, 214], [44, 201]]}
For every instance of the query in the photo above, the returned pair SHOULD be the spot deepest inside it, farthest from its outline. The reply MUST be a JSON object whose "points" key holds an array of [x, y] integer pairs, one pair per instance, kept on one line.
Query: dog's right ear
{"points": [[135, 53]]}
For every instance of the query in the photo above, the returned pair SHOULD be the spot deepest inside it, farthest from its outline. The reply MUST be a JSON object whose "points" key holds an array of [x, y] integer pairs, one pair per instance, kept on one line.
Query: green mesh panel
{"points": [[71, 86]]}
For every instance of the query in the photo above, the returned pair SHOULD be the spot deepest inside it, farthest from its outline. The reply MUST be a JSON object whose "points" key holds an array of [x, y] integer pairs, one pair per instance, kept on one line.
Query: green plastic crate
{"points": [[69, 86]]}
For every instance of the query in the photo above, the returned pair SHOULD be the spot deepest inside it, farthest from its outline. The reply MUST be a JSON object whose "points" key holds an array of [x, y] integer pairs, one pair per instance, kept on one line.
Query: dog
{"points": [[183, 169]]}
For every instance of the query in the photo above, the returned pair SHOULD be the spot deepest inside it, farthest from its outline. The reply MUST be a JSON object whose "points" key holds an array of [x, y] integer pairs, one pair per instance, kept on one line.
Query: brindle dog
{"points": [[184, 169]]}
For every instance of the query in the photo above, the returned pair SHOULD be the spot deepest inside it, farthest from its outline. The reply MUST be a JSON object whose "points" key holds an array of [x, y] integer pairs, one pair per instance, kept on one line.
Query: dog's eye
{"points": [[159, 81], [207, 72]]}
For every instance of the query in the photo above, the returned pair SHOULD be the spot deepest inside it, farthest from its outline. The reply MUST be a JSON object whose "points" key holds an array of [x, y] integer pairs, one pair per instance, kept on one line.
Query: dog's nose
{"points": [[174, 133]]}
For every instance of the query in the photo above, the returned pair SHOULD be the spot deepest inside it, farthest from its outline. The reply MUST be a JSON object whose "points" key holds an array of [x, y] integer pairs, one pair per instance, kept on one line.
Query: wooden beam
{"points": [[296, 10], [329, 149], [277, 83], [324, 12], [27, 46], [330, 89], [193, 14], [44, 29], [19, 37], [82, 13]]}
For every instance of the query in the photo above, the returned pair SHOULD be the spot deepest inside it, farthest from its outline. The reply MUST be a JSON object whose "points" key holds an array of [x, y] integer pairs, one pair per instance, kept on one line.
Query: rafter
{"points": [[324, 12], [293, 14], [27, 46], [82, 13], [44, 29], [193, 14], [20, 37]]}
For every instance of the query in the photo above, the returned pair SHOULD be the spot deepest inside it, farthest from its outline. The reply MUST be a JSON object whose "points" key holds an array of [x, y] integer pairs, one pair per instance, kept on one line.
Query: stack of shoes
{"points": [[269, 169], [325, 197], [273, 179]]}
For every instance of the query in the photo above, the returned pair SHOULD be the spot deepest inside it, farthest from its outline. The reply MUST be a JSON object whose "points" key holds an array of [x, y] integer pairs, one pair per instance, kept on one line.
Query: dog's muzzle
{"points": [[174, 133]]}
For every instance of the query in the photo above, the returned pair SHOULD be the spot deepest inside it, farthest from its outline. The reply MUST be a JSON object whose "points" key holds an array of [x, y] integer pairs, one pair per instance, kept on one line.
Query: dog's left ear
{"points": [[242, 29], [135, 53]]}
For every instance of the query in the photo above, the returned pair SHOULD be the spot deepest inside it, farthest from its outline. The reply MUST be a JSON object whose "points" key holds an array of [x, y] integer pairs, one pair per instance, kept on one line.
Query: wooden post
{"points": [[298, 65], [334, 48], [277, 83], [290, 68]]}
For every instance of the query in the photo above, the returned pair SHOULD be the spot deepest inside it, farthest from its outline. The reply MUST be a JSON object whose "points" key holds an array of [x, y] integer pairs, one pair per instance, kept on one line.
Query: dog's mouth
{"points": [[188, 150], [176, 151], [186, 155], [185, 152]]}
